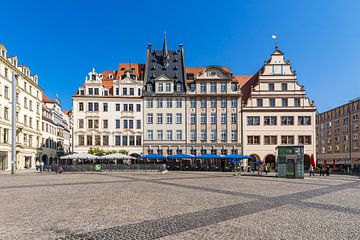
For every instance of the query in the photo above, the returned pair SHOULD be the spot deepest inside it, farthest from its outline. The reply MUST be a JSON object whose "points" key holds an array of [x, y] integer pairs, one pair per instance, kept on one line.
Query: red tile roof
{"points": [[46, 99]]}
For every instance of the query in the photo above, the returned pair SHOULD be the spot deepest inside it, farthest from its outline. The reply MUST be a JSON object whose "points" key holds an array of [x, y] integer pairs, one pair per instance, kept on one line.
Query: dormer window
{"points": [[93, 77], [91, 91], [168, 87], [160, 87], [111, 76], [178, 87], [233, 87], [149, 87], [190, 76], [106, 92]]}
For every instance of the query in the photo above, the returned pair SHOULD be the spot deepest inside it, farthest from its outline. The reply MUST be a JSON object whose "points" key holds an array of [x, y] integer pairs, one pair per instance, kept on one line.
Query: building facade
{"points": [[276, 111], [55, 128], [28, 111], [164, 101], [108, 111], [213, 111], [338, 135]]}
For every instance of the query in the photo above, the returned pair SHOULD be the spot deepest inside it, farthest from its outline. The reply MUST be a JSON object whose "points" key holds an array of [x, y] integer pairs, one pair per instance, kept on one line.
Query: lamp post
{"points": [[13, 124]]}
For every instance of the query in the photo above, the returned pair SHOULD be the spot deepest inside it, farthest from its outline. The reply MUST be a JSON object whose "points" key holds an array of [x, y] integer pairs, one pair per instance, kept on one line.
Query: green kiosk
{"points": [[290, 161]]}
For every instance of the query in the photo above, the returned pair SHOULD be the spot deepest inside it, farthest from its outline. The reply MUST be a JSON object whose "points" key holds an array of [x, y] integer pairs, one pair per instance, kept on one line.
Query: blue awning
{"points": [[153, 156], [209, 156], [179, 156], [237, 156]]}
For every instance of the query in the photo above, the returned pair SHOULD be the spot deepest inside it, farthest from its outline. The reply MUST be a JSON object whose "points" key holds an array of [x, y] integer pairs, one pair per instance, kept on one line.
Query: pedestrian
{"points": [[327, 171], [60, 170], [37, 166], [321, 171], [261, 169], [42, 166], [311, 171], [266, 169]]}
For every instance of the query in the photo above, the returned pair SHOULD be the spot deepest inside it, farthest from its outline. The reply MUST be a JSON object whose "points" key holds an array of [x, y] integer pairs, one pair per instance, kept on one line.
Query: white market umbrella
{"points": [[83, 156], [117, 156]]}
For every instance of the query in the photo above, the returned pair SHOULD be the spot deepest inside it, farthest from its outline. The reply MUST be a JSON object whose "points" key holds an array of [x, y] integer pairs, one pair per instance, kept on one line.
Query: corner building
{"points": [[164, 101]]}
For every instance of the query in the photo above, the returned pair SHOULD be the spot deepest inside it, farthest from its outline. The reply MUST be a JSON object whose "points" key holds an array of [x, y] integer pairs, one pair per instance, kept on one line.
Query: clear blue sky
{"points": [[63, 40]]}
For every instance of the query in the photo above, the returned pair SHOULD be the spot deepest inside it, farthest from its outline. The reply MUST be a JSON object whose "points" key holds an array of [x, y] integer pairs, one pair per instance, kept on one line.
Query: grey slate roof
{"points": [[164, 62]]}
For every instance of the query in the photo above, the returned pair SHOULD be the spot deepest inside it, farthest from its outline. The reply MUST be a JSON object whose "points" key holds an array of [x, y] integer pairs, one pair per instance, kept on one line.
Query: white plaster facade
{"points": [[28, 107], [109, 116], [277, 112]]}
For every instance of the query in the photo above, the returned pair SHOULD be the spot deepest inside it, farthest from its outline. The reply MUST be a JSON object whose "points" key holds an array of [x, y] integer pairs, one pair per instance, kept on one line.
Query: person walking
{"points": [[311, 171], [321, 171], [266, 169], [37, 166], [327, 171]]}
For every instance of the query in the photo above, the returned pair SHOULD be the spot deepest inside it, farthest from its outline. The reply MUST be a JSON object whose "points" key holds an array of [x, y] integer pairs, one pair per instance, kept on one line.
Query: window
{"points": [[117, 123], [193, 135], [159, 103], [106, 92], [81, 106], [213, 118], [213, 135], [169, 118], [203, 135], [233, 135], [124, 91], [6, 92], [138, 140], [306, 140], [149, 103], [81, 123], [233, 87], [284, 102], [223, 87], [253, 120], [105, 123], [178, 87], [223, 118], [178, 135], [169, 103], [178, 118], [286, 140], [192, 103], [97, 140], [203, 118], [178, 103], [287, 120], [223, 102], [234, 102], [160, 135], [25, 103], [213, 87], [117, 107], [132, 92], [283, 87], [272, 102], [203, 103], [89, 141], [233, 118], [90, 91], [150, 118], [96, 107], [105, 107], [202, 87], [126, 124], [223, 152], [90, 107], [117, 140], [105, 140], [271, 87], [150, 134], [169, 134], [270, 140], [259, 102], [203, 151], [168, 87], [297, 102], [6, 113], [139, 91], [304, 120], [213, 103], [272, 120], [81, 140], [159, 118], [192, 87], [193, 118], [90, 123], [96, 91], [223, 135]]}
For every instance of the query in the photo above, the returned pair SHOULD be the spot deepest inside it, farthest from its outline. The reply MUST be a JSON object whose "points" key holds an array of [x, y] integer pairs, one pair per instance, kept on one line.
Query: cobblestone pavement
{"points": [[177, 205]]}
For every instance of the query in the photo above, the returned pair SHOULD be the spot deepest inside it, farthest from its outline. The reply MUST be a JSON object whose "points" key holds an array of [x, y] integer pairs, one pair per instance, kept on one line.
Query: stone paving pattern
{"points": [[177, 205]]}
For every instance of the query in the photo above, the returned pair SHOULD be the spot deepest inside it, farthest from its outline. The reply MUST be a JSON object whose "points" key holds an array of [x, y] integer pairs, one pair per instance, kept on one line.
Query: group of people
{"points": [[322, 171], [39, 165]]}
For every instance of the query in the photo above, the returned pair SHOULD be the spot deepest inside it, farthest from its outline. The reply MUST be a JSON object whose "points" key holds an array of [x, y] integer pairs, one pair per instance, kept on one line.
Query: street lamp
{"points": [[13, 124]]}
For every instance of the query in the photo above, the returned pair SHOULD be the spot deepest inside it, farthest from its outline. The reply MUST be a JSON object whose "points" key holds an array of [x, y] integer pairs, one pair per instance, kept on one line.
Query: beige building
{"points": [[28, 108], [55, 128], [276, 111], [213, 111], [107, 111], [338, 135]]}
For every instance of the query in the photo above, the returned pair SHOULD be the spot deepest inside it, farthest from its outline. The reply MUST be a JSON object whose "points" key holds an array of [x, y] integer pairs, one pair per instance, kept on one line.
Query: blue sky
{"points": [[63, 40]]}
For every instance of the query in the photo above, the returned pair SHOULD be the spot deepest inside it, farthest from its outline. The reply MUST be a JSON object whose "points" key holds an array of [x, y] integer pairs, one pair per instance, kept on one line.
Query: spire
{"points": [[165, 51]]}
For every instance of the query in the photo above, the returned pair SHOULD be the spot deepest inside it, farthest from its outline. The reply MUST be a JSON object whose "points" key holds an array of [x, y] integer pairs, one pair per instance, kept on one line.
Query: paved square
{"points": [[177, 205]]}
